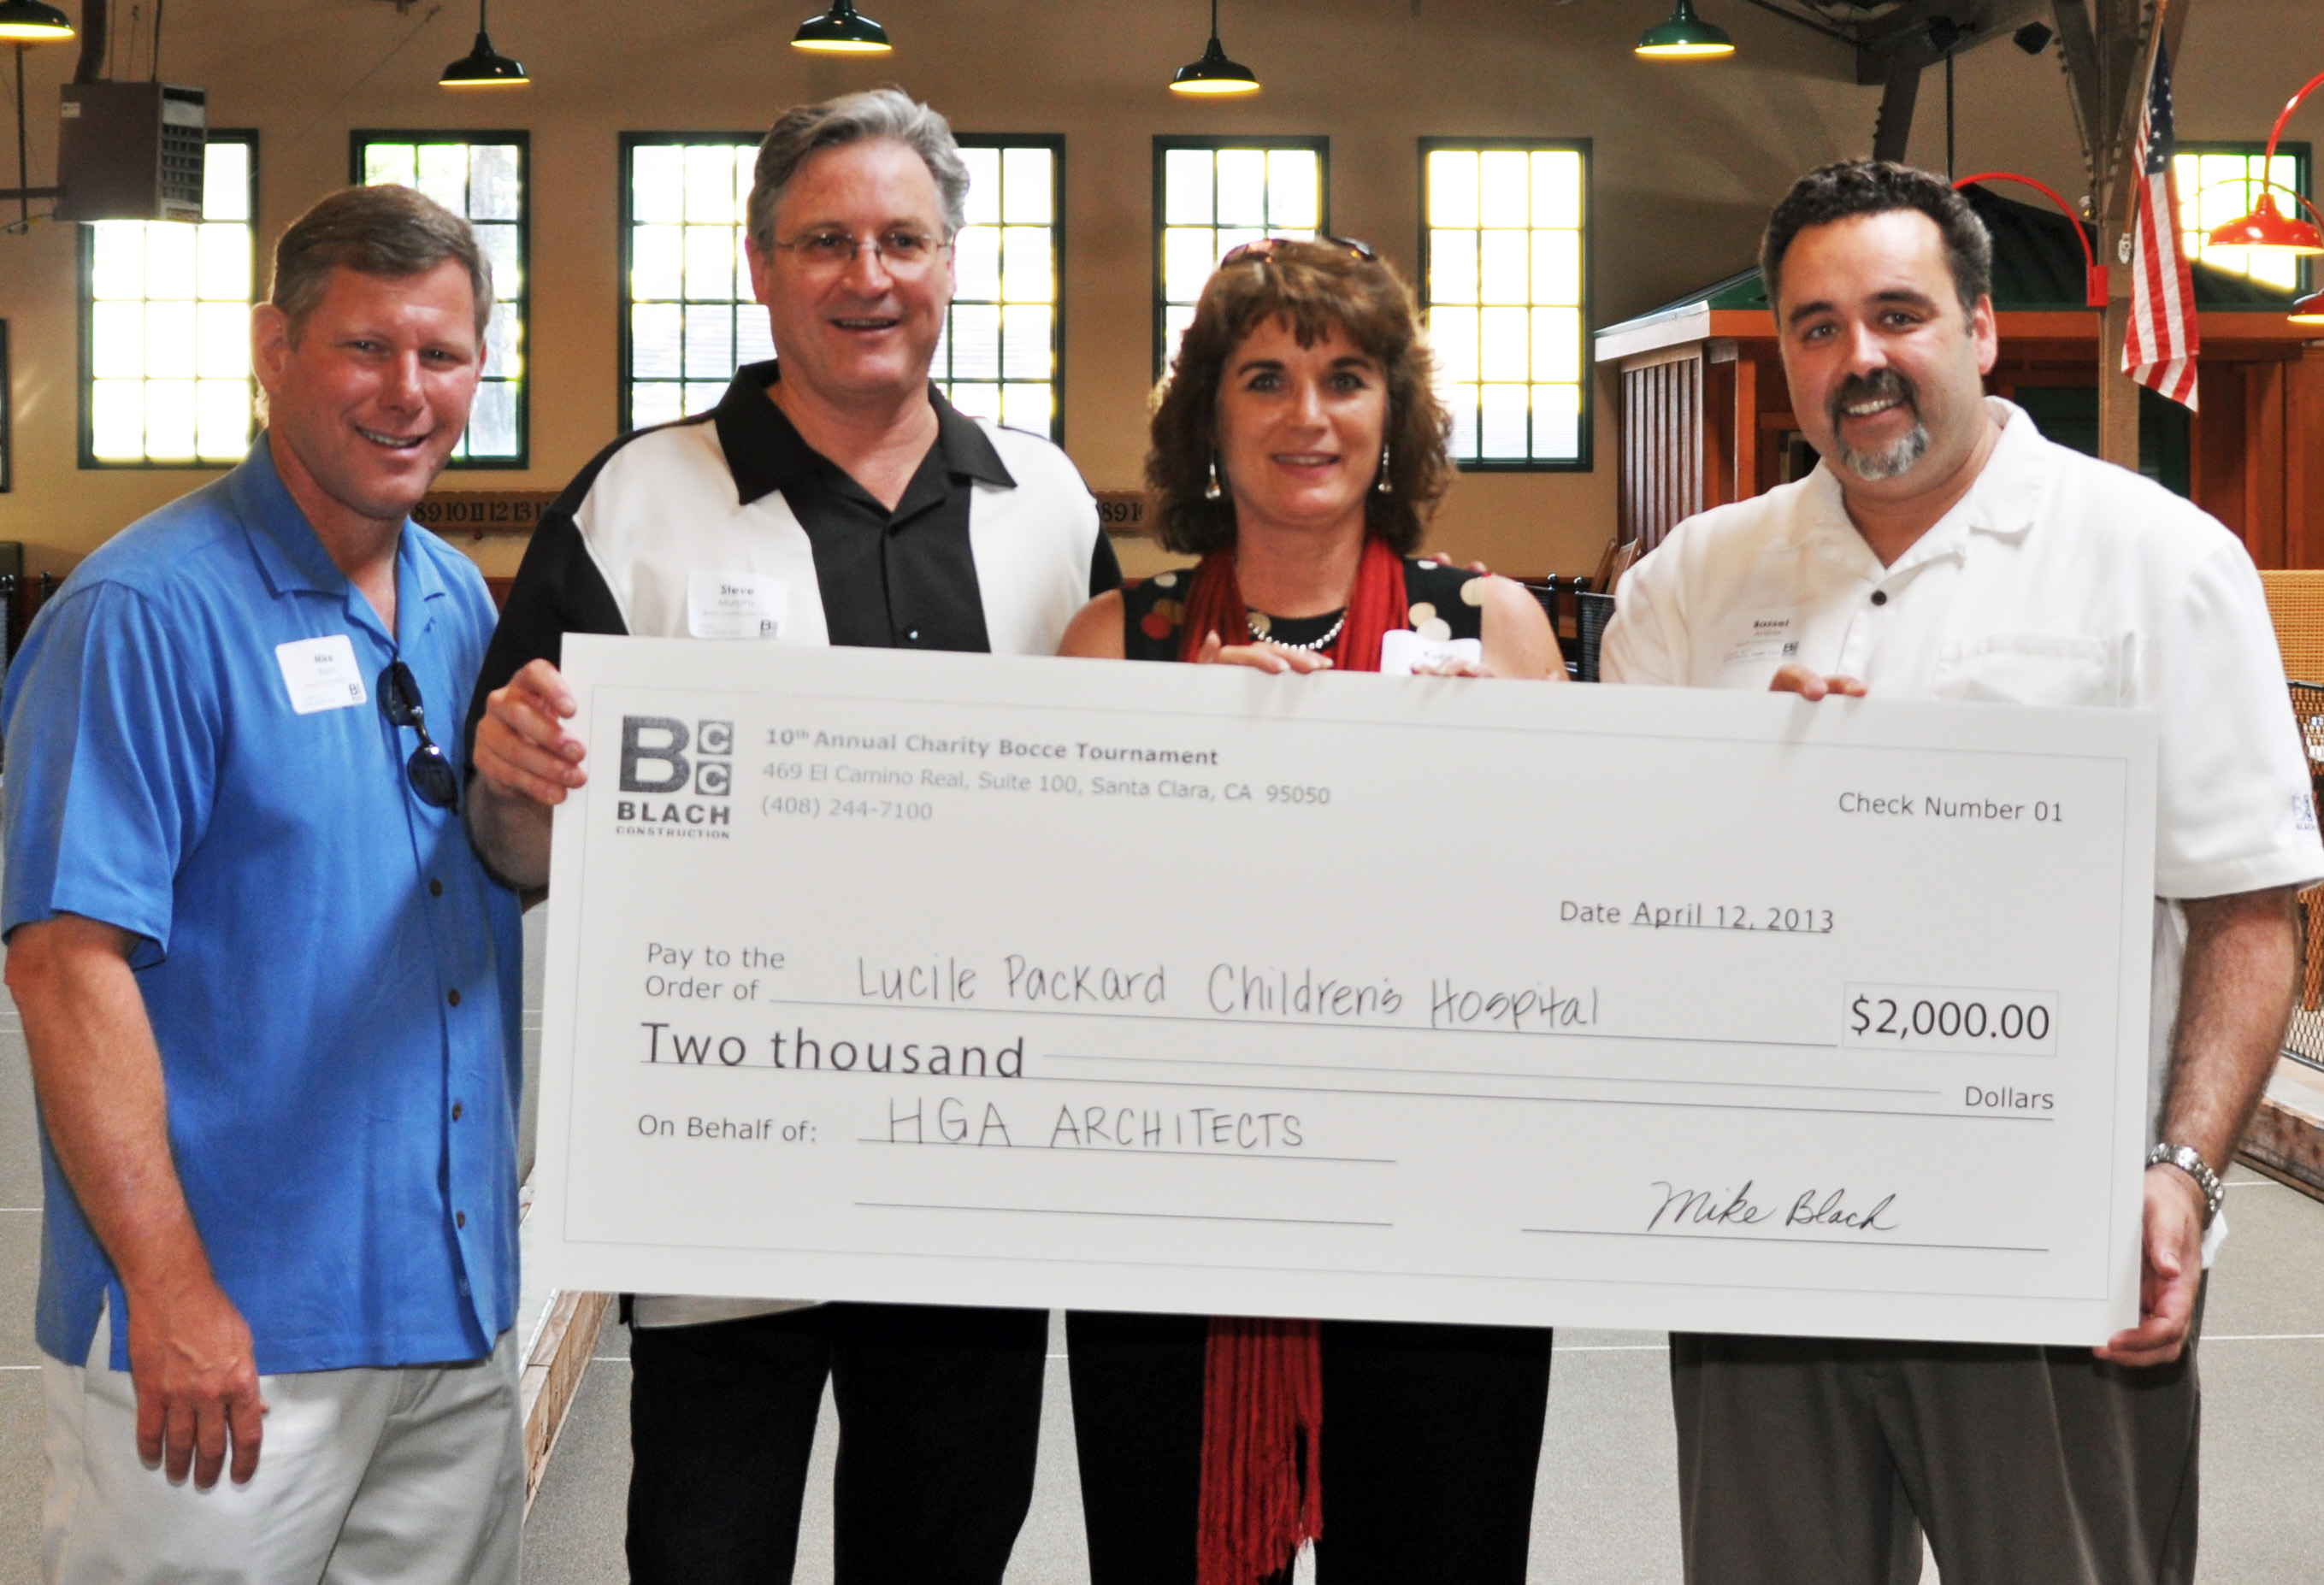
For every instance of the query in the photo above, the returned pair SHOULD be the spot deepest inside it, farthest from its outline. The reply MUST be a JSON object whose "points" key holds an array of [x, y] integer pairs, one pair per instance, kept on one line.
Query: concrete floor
{"points": [[1606, 1511]]}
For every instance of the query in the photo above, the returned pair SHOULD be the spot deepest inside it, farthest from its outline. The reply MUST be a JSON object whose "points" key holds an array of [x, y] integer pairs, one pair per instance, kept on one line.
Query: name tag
{"points": [[735, 605], [1403, 652], [320, 674], [1766, 635]]}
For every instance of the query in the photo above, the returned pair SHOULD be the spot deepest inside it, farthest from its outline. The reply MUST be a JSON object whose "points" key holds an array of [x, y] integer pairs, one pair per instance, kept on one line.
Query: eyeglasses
{"points": [[430, 772], [827, 252], [1266, 247]]}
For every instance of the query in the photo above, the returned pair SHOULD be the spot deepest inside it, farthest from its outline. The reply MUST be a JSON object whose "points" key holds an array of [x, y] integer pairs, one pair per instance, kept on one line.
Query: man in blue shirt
{"points": [[270, 994]]}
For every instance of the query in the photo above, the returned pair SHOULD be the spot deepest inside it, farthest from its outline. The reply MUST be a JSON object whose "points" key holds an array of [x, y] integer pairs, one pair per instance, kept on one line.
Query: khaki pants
{"points": [[1806, 1461], [414, 1476]]}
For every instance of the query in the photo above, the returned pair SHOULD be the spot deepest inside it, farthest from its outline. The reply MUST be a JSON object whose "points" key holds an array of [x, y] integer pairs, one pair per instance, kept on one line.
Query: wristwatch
{"points": [[2189, 1161]]}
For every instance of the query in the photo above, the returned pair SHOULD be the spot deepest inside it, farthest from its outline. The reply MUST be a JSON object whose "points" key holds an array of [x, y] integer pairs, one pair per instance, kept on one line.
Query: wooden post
{"points": [[2107, 49], [2117, 392]]}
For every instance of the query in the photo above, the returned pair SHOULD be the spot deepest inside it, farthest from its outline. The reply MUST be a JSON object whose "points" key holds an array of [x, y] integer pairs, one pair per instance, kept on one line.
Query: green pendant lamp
{"points": [[28, 22], [842, 30], [483, 67], [1214, 73], [1685, 37]]}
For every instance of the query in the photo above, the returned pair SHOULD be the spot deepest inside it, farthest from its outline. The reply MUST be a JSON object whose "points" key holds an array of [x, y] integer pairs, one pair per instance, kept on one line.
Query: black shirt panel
{"points": [[558, 590], [1105, 566], [891, 580]]}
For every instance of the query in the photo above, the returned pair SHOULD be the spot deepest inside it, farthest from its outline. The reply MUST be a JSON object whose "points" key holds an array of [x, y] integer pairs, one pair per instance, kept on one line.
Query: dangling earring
{"points": [[1211, 491], [1384, 487]]}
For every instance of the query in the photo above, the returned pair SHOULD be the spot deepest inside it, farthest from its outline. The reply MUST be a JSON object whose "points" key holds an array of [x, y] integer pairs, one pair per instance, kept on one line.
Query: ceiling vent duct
{"points": [[130, 151]]}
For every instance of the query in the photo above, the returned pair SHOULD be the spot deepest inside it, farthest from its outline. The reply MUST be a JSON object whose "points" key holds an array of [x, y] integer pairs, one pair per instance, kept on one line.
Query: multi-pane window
{"points": [[1214, 194], [999, 355], [690, 321], [482, 177], [167, 355], [2220, 182], [1507, 290]]}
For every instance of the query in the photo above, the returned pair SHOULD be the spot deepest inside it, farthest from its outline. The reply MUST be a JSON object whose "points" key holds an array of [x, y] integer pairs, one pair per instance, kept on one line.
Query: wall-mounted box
{"points": [[130, 151]]}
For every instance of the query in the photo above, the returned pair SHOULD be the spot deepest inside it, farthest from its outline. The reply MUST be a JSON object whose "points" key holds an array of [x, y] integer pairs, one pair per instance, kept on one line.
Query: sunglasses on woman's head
{"points": [[430, 772], [1266, 247]]}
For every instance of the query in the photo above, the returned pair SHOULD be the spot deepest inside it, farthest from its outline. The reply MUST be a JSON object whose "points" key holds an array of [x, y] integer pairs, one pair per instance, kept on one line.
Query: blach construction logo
{"points": [[662, 757]]}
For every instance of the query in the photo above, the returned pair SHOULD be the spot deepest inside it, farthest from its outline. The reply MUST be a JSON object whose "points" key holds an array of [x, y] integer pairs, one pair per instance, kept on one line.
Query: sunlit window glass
{"points": [[2223, 183], [168, 357], [1506, 291], [482, 177], [998, 356], [686, 298], [1216, 197]]}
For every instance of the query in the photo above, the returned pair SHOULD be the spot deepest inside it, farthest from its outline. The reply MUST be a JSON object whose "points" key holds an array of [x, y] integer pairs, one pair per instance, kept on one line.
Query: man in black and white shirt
{"points": [[833, 497]]}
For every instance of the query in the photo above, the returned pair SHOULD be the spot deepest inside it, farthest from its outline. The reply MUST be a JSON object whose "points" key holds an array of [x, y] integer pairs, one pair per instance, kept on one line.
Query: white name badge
{"points": [[1403, 652], [1763, 635], [735, 605], [321, 673]]}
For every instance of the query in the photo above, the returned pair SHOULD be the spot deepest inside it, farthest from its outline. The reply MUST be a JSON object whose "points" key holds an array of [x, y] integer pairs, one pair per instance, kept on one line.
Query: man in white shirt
{"points": [[1944, 549]]}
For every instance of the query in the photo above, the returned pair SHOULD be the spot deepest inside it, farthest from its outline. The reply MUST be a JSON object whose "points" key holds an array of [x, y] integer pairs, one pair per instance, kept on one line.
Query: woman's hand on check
{"points": [[1796, 678], [1260, 657]]}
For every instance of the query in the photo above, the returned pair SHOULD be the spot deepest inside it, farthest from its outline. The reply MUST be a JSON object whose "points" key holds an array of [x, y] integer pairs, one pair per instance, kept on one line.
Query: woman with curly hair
{"points": [[1298, 449]]}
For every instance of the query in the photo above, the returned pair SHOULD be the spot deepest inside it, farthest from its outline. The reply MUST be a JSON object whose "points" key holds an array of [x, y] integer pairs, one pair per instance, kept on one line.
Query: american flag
{"points": [[2163, 339]]}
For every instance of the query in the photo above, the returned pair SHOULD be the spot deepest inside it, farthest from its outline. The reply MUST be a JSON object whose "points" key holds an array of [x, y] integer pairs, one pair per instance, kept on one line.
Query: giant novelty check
{"points": [[968, 980]]}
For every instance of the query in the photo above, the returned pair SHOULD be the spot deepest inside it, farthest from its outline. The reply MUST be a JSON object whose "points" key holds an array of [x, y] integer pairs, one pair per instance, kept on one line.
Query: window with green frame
{"points": [[2220, 182], [689, 318], [1212, 195], [1002, 354], [483, 175], [1505, 278], [165, 325]]}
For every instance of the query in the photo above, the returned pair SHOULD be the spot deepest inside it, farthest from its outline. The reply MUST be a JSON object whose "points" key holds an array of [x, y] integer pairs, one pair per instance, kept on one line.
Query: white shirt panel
{"points": [[664, 506], [1032, 544]]}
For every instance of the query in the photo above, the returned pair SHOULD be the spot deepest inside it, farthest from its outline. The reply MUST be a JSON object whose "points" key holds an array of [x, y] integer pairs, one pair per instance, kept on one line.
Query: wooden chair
{"points": [[1620, 555]]}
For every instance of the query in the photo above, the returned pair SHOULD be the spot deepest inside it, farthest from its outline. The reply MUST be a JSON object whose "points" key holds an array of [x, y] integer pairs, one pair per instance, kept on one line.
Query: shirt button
{"points": [[459, 1219], [1880, 596], [435, 888], [456, 1112], [914, 635], [453, 997]]}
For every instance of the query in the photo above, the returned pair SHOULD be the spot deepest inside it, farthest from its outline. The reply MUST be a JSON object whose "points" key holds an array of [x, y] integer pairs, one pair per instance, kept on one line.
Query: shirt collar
{"points": [[766, 453], [2005, 500], [292, 555]]}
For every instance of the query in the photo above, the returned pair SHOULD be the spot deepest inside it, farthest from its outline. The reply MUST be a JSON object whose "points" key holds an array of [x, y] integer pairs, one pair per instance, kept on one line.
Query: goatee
{"points": [[1900, 455]]}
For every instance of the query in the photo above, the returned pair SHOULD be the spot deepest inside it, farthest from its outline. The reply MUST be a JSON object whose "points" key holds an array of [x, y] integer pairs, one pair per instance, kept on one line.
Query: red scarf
{"points": [[1262, 1429], [1375, 607], [1262, 1493]]}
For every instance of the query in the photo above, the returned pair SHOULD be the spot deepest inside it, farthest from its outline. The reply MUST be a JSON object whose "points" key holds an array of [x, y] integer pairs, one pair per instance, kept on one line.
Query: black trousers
{"points": [[939, 1411], [1432, 1440]]}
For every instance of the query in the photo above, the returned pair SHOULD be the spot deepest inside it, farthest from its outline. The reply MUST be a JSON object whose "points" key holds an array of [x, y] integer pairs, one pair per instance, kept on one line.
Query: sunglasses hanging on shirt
{"points": [[429, 770]]}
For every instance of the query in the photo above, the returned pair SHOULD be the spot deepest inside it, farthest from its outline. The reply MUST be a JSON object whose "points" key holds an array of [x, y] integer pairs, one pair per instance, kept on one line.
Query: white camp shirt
{"points": [[2058, 579]]}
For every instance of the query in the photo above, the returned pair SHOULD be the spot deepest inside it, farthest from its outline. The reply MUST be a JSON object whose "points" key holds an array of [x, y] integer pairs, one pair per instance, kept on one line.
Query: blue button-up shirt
{"points": [[331, 976]]}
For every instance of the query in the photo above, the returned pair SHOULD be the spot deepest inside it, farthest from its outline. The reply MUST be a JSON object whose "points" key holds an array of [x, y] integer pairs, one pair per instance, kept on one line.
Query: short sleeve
{"points": [[2233, 806], [113, 744], [1635, 646]]}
